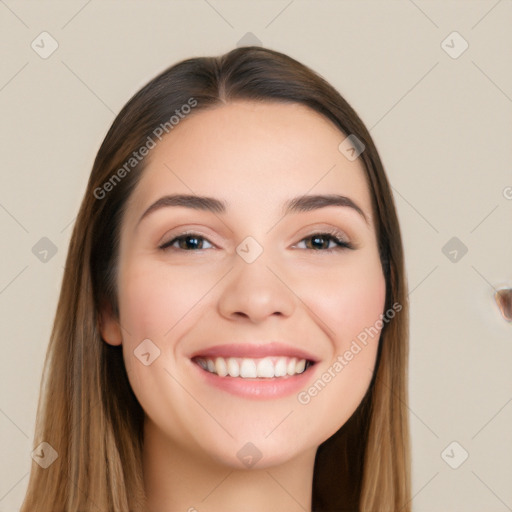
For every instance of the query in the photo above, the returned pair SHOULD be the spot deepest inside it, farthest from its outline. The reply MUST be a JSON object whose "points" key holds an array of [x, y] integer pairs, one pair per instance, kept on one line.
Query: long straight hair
{"points": [[87, 410]]}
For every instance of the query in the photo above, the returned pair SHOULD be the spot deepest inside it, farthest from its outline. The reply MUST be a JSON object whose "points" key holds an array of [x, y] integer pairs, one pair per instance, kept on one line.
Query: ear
{"points": [[109, 326]]}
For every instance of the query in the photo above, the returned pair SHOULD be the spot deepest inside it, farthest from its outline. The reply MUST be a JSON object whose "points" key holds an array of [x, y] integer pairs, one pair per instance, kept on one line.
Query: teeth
{"points": [[301, 365], [233, 367], [266, 368], [248, 368], [280, 369], [221, 368]]}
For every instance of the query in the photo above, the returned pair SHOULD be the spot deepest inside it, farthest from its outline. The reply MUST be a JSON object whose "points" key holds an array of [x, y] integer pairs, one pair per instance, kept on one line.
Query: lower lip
{"points": [[263, 389]]}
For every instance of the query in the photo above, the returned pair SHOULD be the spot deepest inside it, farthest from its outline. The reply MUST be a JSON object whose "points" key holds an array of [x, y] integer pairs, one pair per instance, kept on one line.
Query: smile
{"points": [[255, 371], [249, 368]]}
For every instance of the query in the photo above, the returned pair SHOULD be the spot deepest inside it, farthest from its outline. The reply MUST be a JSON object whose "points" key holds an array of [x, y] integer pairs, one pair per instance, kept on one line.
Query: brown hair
{"points": [[87, 410]]}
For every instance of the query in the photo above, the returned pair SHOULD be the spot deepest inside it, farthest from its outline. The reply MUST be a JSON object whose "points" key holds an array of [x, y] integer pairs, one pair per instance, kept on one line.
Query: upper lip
{"points": [[254, 350]]}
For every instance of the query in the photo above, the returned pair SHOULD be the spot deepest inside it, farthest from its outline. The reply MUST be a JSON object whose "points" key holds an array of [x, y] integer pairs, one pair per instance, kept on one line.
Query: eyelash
{"points": [[341, 243]]}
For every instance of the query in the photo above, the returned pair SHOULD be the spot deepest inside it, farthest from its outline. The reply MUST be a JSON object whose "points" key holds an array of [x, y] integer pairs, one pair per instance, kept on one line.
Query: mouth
{"points": [[250, 368], [255, 371]]}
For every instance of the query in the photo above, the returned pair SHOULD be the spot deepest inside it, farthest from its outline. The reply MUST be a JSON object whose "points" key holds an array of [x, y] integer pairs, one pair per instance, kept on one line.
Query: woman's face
{"points": [[244, 282]]}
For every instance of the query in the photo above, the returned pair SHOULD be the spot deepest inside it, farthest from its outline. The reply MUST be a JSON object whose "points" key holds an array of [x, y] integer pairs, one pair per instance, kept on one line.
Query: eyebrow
{"points": [[305, 203]]}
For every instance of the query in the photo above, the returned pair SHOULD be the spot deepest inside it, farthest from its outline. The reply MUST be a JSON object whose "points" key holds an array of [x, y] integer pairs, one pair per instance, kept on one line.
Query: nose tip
{"points": [[254, 292]]}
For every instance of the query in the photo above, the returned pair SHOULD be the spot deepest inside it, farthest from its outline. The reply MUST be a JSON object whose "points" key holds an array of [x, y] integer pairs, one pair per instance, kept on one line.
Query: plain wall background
{"points": [[443, 128]]}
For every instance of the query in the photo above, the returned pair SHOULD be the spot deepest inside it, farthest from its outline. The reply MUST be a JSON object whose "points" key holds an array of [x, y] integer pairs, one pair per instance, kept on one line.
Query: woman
{"points": [[232, 328]]}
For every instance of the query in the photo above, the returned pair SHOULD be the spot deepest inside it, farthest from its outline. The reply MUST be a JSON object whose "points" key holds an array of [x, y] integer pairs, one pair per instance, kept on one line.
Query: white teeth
{"points": [[265, 368], [280, 369], [248, 368], [290, 370], [220, 367], [301, 365], [233, 367]]}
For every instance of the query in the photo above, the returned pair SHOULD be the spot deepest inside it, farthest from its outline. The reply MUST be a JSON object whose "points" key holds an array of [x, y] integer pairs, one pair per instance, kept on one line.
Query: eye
{"points": [[187, 242], [322, 242]]}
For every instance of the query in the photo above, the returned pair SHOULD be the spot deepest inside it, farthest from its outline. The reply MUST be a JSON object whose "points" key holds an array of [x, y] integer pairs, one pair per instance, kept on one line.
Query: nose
{"points": [[255, 291]]}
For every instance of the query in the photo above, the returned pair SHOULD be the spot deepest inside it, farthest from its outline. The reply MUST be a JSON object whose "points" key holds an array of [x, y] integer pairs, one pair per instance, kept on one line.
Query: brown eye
{"points": [[324, 241], [188, 242]]}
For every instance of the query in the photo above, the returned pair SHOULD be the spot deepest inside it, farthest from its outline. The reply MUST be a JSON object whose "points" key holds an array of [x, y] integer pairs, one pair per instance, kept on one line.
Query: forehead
{"points": [[253, 155]]}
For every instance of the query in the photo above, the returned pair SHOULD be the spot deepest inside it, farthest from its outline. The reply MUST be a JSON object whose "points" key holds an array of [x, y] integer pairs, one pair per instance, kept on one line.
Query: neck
{"points": [[179, 479]]}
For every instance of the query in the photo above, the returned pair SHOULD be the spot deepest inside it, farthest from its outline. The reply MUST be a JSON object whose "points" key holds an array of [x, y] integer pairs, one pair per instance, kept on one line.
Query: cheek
{"points": [[350, 307], [350, 301], [153, 301], [158, 304]]}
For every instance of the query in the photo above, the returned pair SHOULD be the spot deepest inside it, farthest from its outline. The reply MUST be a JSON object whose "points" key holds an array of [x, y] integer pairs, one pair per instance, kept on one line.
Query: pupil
{"points": [[315, 241], [191, 242]]}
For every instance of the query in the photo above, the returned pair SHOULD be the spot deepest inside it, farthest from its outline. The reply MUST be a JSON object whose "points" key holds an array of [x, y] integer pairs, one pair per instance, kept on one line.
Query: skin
{"points": [[254, 156]]}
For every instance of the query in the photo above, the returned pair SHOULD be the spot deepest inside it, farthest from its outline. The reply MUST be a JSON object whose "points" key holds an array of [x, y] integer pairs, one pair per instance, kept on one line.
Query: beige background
{"points": [[443, 127]]}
